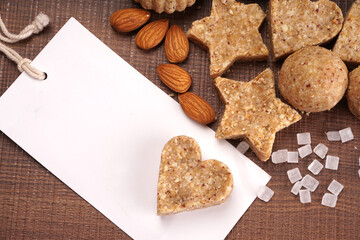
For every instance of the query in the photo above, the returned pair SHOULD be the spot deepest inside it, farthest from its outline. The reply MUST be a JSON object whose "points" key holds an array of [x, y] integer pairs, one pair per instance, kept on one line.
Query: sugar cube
{"points": [[332, 162], [243, 147], [333, 136], [305, 151], [315, 167], [279, 156], [305, 196], [335, 187], [321, 150], [329, 200], [293, 157], [359, 172], [346, 135], [296, 188], [265, 193], [359, 161], [303, 138], [294, 175], [310, 183]]}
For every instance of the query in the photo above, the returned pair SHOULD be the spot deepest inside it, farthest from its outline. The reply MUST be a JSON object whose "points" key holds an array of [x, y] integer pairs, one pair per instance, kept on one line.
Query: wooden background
{"points": [[36, 205]]}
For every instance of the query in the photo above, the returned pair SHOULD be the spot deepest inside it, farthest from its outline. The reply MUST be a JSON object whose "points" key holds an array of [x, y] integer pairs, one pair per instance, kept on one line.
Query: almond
{"points": [[196, 108], [175, 77], [152, 34], [130, 19], [176, 44]]}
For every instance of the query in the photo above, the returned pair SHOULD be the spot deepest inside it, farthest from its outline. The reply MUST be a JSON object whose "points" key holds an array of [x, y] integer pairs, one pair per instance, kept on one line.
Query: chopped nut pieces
{"points": [[253, 112], [295, 24], [187, 183], [231, 33], [353, 96], [347, 45]]}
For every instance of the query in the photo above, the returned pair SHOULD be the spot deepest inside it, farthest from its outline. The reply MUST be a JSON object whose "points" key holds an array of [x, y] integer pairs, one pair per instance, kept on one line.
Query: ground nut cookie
{"points": [[187, 183], [347, 45], [253, 112], [230, 34], [353, 93], [295, 24], [313, 79], [168, 6]]}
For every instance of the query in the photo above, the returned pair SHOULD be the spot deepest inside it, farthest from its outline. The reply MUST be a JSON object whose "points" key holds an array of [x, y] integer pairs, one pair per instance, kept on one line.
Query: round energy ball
{"points": [[353, 93], [313, 79]]}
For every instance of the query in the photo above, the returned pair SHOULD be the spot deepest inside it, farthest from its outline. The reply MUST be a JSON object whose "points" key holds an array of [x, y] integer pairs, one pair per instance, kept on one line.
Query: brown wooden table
{"points": [[36, 205]]}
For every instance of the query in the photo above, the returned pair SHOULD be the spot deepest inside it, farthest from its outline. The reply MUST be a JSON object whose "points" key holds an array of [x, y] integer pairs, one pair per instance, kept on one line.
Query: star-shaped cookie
{"points": [[230, 33], [253, 112]]}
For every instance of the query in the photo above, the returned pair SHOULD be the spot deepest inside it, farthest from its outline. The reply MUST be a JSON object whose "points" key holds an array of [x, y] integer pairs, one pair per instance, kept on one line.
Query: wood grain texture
{"points": [[34, 204]]}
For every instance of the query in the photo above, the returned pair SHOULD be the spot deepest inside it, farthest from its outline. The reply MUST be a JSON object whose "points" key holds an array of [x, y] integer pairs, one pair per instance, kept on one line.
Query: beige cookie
{"points": [[295, 24], [313, 79], [353, 93], [348, 44], [253, 112], [187, 183], [168, 6], [230, 33]]}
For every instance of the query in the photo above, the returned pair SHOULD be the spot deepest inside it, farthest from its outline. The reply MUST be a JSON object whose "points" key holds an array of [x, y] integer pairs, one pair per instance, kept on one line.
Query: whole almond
{"points": [[175, 77], [176, 44], [130, 19], [152, 34], [196, 108]]}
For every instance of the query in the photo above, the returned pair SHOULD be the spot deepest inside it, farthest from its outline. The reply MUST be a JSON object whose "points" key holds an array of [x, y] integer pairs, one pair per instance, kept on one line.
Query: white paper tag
{"points": [[99, 126]]}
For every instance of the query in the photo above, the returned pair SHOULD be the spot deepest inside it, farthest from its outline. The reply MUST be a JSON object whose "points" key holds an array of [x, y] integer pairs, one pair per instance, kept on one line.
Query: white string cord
{"points": [[35, 27], [23, 64]]}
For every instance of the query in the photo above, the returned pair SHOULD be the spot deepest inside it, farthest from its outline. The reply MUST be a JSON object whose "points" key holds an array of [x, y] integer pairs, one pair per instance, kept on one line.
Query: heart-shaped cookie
{"points": [[295, 24], [187, 183]]}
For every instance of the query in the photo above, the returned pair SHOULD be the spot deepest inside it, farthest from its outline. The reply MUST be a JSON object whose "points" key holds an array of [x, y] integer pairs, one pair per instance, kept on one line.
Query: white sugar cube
{"points": [[335, 187], [359, 172], [333, 136], [293, 157], [329, 200], [310, 183], [303, 138], [296, 188], [321, 150], [279, 156], [243, 147], [265, 193], [305, 196], [305, 151], [332, 162], [294, 175], [346, 135], [315, 167]]}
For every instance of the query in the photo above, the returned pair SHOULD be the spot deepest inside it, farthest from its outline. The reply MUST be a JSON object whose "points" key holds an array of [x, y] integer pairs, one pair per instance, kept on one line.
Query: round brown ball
{"points": [[353, 94], [313, 79]]}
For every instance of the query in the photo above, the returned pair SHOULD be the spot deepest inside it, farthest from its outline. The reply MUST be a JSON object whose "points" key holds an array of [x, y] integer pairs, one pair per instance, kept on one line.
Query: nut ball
{"points": [[313, 79], [353, 93]]}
